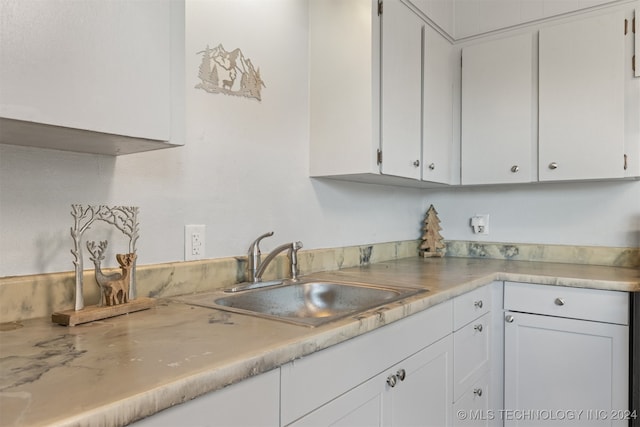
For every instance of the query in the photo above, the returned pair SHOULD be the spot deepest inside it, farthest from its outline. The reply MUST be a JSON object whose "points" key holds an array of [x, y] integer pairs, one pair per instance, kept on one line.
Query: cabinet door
{"points": [[471, 354], [581, 130], [424, 397], [401, 94], [362, 406], [102, 66], [227, 407], [497, 111], [556, 364], [437, 142]]}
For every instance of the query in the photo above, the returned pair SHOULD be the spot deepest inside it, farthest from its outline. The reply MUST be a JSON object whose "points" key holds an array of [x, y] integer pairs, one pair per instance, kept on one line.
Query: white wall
{"points": [[242, 172], [582, 213]]}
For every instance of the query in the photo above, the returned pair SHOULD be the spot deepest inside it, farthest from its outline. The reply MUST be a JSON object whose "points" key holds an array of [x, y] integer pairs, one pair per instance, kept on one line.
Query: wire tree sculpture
{"points": [[124, 218]]}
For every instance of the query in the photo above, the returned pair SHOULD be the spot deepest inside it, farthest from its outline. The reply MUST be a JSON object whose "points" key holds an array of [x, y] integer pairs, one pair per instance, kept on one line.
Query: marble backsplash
{"points": [[26, 297]]}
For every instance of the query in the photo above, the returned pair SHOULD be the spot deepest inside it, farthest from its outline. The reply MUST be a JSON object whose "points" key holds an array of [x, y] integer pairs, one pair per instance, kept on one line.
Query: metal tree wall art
{"points": [[229, 73], [125, 219]]}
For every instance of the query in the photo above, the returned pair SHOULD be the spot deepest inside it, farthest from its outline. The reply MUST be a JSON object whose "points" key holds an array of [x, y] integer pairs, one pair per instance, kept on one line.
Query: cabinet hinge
{"points": [[379, 156], [625, 162], [379, 7], [626, 26]]}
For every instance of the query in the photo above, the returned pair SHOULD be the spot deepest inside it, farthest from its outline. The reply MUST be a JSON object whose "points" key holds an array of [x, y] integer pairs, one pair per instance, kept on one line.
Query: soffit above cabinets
{"points": [[461, 19]]}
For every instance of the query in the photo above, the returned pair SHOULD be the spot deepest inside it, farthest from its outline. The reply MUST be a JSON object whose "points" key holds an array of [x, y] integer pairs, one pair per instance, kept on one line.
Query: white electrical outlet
{"points": [[480, 224], [194, 242]]}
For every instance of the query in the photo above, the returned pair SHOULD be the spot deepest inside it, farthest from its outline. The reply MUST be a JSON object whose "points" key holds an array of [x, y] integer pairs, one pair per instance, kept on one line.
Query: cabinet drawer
{"points": [[470, 354], [472, 409], [576, 303], [471, 306]]}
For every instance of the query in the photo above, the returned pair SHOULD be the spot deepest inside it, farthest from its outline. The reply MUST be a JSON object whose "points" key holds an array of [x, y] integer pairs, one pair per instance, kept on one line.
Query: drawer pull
{"points": [[392, 380], [477, 391], [401, 374], [478, 304], [478, 327], [559, 301], [509, 318]]}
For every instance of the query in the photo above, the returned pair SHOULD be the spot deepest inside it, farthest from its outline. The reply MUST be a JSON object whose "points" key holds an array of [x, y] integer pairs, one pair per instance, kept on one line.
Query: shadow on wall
{"points": [[35, 208]]}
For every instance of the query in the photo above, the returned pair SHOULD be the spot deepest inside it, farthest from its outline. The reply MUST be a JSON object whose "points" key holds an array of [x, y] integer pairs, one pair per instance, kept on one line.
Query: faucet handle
{"points": [[254, 247]]}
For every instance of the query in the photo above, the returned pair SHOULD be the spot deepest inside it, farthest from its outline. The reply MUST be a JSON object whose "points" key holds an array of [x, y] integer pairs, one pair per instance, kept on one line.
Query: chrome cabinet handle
{"points": [[515, 168], [559, 301], [432, 166], [478, 304], [401, 374], [477, 391], [478, 328], [392, 380], [553, 165], [416, 163], [509, 318]]}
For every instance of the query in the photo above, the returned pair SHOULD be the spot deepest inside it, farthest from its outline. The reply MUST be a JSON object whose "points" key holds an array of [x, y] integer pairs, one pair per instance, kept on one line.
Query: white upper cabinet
{"points": [[401, 99], [498, 138], [376, 76], [441, 59], [582, 99], [94, 76]]}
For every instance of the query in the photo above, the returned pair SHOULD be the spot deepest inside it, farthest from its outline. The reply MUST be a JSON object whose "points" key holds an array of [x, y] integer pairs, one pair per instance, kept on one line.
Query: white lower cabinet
{"points": [[566, 356], [360, 382], [473, 408], [472, 357], [415, 392], [252, 402]]}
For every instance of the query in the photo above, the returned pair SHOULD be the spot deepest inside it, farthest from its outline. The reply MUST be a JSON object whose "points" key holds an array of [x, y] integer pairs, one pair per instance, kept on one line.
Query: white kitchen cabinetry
{"points": [[252, 402], [401, 98], [103, 77], [415, 392], [472, 341], [582, 99], [498, 133], [566, 349], [348, 384], [372, 78]]}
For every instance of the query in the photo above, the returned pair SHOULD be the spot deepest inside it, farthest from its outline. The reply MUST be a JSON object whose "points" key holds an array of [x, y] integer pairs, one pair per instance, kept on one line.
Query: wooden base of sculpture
{"points": [[94, 312]]}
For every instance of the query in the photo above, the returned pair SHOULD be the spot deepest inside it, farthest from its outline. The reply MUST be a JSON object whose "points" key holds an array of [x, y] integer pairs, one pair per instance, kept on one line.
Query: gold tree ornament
{"points": [[432, 242]]}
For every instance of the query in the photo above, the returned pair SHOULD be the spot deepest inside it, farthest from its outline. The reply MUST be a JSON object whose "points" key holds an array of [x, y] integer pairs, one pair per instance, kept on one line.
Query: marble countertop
{"points": [[115, 371]]}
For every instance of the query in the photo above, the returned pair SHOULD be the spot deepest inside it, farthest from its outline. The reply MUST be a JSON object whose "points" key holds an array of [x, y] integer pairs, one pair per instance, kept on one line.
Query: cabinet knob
{"points": [[478, 328], [515, 168], [509, 318], [477, 391], [416, 163], [559, 301], [553, 165], [392, 380], [401, 374], [432, 166], [478, 304]]}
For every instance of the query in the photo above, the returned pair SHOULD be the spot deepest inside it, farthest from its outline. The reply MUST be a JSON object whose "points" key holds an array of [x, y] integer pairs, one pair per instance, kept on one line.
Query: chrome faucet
{"points": [[256, 267]]}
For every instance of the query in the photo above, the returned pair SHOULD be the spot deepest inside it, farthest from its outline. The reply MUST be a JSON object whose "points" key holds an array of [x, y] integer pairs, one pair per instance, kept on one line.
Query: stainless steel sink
{"points": [[305, 302]]}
